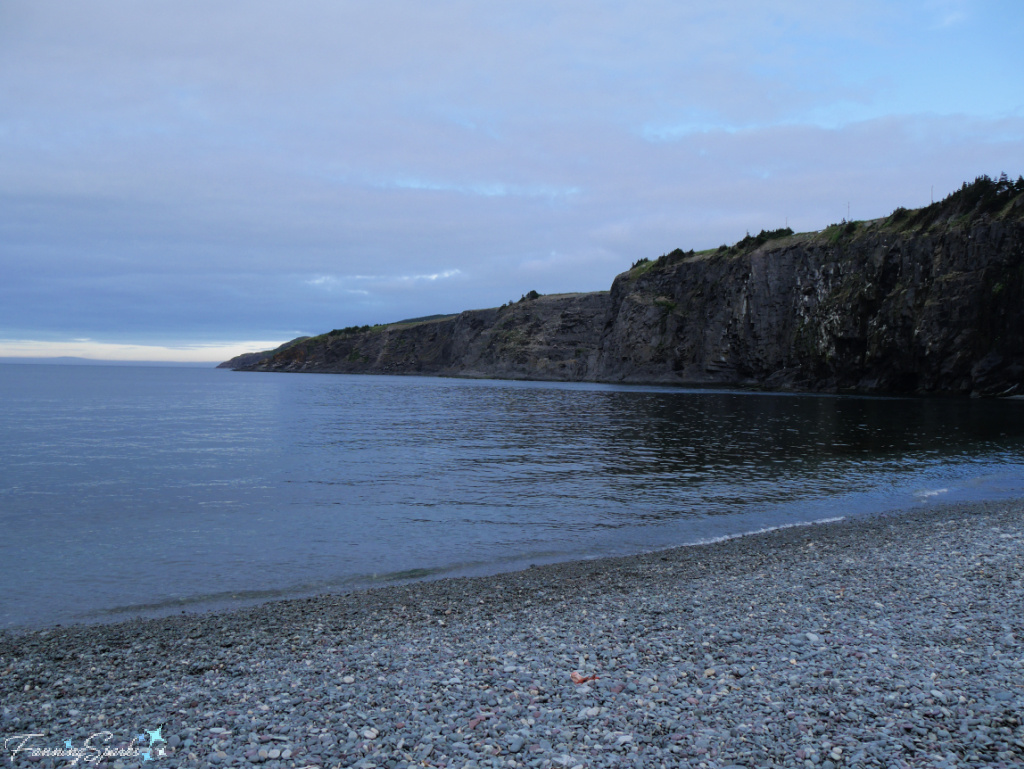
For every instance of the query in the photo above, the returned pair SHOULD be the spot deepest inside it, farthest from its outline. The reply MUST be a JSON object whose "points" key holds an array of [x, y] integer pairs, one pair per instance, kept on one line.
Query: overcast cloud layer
{"points": [[193, 176]]}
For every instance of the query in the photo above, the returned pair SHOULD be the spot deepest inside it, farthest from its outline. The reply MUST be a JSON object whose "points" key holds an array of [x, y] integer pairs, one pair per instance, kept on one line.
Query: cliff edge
{"points": [[923, 301]]}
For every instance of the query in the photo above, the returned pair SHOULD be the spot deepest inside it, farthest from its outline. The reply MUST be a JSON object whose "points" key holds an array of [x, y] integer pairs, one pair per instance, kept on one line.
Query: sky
{"points": [[184, 180]]}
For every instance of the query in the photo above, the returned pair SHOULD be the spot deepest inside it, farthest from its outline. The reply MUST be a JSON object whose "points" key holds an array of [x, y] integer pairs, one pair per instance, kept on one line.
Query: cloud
{"points": [[653, 132], [948, 13], [336, 281], [332, 283], [432, 276]]}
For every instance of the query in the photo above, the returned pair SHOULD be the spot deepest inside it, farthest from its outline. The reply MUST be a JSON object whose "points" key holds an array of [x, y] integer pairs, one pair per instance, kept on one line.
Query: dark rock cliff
{"points": [[551, 337], [928, 301]]}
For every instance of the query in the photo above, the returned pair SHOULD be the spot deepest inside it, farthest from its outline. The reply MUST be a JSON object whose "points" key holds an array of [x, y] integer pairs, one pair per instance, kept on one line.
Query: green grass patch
{"points": [[641, 266]]}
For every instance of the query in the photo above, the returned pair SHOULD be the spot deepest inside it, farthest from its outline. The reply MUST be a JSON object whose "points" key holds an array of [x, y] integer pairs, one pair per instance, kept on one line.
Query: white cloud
{"points": [[340, 282], [432, 276]]}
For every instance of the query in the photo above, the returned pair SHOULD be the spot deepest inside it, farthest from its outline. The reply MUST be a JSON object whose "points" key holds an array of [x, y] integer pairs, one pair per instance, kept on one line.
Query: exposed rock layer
{"points": [[915, 303]]}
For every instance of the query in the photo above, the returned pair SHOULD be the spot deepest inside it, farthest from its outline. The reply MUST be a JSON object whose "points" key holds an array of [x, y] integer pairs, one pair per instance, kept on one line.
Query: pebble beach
{"points": [[881, 641]]}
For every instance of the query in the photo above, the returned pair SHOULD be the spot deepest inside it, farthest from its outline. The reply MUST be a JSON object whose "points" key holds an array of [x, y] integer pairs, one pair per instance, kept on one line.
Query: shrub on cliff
{"points": [[982, 197], [763, 237], [348, 330]]}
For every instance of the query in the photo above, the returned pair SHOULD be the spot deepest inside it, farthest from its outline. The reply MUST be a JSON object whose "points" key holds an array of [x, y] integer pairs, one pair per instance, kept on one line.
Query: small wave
{"points": [[765, 530], [228, 599], [930, 493]]}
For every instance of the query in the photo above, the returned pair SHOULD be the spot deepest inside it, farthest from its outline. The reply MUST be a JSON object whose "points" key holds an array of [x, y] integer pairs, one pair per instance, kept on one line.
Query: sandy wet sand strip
{"points": [[881, 641]]}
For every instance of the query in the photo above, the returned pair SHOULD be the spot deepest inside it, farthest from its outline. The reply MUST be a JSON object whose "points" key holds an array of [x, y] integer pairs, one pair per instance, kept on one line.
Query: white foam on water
{"points": [[930, 493], [765, 530]]}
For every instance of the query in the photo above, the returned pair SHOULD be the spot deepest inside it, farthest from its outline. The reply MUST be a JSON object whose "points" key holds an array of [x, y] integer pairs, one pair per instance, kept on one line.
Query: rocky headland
{"points": [[927, 301]]}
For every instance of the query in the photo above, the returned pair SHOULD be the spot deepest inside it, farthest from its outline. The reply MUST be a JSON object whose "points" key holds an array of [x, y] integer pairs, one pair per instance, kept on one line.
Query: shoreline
{"points": [[887, 638], [736, 387], [239, 601]]}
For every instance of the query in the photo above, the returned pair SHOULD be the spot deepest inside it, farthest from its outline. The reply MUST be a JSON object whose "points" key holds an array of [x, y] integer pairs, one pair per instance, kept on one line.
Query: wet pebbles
{"points": [[888, 641]]}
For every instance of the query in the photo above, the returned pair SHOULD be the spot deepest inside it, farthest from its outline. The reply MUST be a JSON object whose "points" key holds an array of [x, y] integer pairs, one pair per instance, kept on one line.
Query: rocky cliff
{"points": [[926, 301]]}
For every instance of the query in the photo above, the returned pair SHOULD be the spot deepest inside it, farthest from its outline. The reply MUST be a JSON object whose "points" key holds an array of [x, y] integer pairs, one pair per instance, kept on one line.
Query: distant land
{"points": [[68, 360], [925, 301]]}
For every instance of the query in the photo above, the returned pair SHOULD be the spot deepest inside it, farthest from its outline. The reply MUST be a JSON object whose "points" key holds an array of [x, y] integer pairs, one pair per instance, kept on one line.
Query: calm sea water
{"points": [[128, 491]]}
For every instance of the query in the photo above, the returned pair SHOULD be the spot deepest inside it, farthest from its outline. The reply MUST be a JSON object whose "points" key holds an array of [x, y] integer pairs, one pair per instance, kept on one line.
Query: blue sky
{"points": [[183, 180]]}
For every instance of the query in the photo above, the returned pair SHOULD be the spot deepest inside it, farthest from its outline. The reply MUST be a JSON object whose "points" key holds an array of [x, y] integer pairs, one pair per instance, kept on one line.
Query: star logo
{"points": [[155, 735]]}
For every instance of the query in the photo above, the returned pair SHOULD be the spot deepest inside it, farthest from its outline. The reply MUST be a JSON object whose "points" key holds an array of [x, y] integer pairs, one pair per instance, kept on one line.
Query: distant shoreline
{"points": [[68, 361]]}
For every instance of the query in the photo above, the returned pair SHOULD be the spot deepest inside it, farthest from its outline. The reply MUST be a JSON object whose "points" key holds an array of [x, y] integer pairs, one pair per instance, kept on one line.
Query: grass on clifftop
{"points": [[998, 199], [749, 243]]}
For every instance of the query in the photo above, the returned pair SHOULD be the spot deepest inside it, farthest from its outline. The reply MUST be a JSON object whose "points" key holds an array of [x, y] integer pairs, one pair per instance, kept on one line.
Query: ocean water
{"points": [[144, 491]]}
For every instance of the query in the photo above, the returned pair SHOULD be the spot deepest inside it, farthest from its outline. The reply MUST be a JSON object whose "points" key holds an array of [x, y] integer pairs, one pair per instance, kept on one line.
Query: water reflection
{"points": [[218, 483], [570, 458]]}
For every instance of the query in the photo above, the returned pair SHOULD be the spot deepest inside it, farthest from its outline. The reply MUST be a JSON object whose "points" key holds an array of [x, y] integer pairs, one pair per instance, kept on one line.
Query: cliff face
{"points": [[551, 337], [922, 302], [871, 310]]}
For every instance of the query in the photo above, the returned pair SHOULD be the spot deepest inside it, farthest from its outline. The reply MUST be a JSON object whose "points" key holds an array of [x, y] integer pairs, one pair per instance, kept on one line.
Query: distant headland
{"points": [[925, 301]]}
